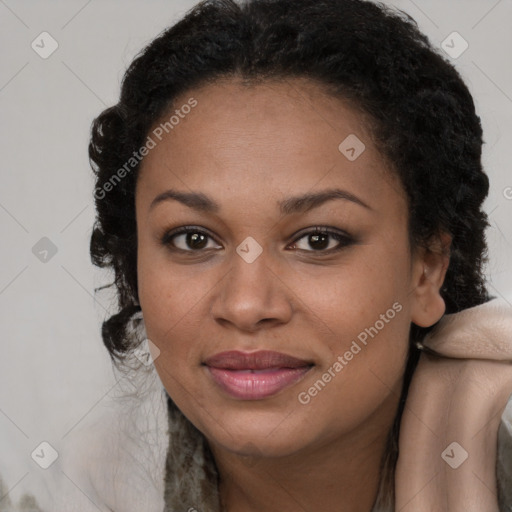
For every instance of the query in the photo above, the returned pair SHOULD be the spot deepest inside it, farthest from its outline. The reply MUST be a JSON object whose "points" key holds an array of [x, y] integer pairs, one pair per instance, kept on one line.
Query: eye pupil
{"points": [[322, 238], [196, 240]]}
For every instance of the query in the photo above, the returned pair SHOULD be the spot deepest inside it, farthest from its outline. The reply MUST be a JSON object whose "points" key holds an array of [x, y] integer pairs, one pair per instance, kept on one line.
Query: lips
{"points": [[255, 375], [264, 359]]}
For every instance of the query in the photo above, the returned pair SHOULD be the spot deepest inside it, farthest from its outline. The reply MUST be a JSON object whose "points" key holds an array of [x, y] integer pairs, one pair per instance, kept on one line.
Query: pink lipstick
{"points": [[255, 375]]}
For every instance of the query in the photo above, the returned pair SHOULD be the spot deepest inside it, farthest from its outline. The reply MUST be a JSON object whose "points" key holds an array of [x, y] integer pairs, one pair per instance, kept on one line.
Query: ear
{"points": [[429, 268]]}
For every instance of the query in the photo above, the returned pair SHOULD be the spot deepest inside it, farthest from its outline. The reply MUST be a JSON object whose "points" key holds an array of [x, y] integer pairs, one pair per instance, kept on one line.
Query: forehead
{"points": [[276, 136]]}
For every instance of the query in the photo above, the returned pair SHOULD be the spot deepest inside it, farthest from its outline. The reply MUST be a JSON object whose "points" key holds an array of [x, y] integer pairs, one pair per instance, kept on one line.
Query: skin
{"points": [[247, 148]]}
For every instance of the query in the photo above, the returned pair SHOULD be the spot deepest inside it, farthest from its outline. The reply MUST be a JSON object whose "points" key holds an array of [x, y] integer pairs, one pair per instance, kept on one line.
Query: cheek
{"points": [[174, 301], [170, 303], [167, 292], [365, 306], [157, 296], [367, 312], [352, 296]]}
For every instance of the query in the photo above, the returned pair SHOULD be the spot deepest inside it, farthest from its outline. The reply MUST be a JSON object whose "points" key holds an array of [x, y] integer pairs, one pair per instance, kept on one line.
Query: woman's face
{"points": [[253, 171]]}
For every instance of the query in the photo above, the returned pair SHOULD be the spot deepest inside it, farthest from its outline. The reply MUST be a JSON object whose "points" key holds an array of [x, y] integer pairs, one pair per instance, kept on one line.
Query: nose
{"points": [[252, 296]]}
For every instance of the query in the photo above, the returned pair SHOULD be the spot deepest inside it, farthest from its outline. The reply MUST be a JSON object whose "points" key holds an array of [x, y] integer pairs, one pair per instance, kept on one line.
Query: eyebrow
{"points": [[297, 204]]}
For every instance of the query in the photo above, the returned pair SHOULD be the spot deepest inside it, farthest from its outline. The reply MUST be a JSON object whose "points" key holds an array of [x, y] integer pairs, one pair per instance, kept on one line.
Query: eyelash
{"points": [[344, 240]]}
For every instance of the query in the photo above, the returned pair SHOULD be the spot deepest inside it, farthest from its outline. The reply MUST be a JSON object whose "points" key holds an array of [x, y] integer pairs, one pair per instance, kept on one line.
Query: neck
{"points": [[341, 474]]}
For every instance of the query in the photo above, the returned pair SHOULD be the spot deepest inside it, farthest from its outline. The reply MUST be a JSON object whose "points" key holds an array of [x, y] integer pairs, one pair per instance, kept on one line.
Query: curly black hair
{"points": [[419, 109]]}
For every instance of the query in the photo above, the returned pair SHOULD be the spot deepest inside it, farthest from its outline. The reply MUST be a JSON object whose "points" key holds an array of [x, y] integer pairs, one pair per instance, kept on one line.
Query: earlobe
{"points": [[429, 271]]}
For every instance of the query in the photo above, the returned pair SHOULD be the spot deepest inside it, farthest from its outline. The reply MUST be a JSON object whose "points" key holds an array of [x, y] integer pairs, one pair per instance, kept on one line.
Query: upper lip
{"points": [[263, 359]]}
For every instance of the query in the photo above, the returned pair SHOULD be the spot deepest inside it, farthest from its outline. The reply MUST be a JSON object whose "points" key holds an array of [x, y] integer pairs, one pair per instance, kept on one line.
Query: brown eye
{"points": [[188, 239], [323, 240]]}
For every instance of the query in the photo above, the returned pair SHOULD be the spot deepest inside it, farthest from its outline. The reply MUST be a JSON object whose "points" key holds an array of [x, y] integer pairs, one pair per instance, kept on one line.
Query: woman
{"points": [[290, 196]]}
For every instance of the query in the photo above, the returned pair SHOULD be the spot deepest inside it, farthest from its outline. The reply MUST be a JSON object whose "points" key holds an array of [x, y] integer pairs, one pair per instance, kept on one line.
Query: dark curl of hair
{"points": [[421, 113]]}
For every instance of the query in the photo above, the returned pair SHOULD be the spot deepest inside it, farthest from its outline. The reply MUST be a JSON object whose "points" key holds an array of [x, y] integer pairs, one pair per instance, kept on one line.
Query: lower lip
{"points": [[258, 384]]}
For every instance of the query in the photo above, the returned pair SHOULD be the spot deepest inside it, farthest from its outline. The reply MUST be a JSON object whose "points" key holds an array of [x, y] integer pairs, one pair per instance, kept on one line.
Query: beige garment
{"points": [[449, 429]]}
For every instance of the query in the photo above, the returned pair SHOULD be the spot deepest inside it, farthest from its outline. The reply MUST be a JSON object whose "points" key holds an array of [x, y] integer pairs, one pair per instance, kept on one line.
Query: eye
{"points": [[321, 239], [189, 239]]}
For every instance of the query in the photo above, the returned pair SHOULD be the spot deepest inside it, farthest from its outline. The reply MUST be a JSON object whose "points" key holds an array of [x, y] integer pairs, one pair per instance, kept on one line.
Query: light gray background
{"points": [[54, 370]]}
